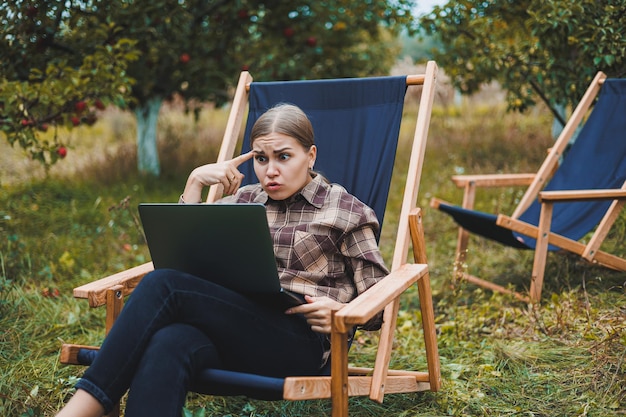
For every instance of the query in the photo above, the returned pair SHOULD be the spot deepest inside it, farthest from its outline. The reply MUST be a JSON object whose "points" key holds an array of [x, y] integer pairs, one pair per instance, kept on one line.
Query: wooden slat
{"points": [[69, 353], [493, 180], [95, 291], [310, 388], [416, 163], [426, 300], [541, 252], [232, 131], [462, 240], [436, 202], [413, 79], [339, 370], [532, 231], [602, 258], [610, 261], [493, 287], [114, 304], [364, 371], [581, 195]]}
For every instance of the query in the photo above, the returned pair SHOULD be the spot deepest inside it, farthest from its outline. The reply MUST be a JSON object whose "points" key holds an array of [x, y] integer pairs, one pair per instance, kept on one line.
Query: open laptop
{"points": [[229, 244]]}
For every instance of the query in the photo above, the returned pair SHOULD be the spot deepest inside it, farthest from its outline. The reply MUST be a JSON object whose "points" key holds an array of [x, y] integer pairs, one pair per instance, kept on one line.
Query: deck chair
{"points": [[580, 188], [366, 115]]}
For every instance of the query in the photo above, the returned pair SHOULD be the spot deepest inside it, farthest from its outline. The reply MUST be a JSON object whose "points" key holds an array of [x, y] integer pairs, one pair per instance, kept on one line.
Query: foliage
{"points": [[549, 49], [53, 75], [498, 356], [63, 59]]}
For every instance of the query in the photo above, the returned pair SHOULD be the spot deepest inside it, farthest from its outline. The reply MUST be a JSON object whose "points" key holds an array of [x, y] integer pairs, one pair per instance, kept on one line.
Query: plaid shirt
{"points": [[324, 240]]}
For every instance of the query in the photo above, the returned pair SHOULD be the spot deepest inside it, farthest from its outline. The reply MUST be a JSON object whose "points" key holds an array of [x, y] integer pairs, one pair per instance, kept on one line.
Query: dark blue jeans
{"points": [[175, 324]]}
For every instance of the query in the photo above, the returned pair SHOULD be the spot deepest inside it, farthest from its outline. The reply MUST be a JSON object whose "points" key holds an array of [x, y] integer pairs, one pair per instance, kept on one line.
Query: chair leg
{"points": [[339, 373], [463, 237], [426, 301], [114, 304], [430, 333], [541, 252]]}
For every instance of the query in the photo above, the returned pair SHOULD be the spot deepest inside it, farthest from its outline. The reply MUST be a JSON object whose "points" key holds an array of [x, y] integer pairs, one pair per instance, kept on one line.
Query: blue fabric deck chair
{"points": [[357, 124], [565, 201]]}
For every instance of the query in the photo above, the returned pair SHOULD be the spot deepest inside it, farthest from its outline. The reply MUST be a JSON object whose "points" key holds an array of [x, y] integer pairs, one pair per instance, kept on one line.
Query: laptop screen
{"points": [[229, 244]]}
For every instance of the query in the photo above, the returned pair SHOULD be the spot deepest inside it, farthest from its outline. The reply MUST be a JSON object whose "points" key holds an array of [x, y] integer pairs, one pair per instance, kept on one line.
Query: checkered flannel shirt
{"points": [[324, 241]]}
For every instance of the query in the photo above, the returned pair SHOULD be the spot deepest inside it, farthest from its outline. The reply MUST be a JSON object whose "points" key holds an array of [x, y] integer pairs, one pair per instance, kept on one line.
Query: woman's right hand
{"points": [[225, 173], [318, 312]]}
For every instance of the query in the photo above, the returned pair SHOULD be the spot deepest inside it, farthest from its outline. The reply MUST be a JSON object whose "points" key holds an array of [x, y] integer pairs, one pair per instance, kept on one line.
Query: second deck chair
{"points": [[585, 191], [356, 124]]}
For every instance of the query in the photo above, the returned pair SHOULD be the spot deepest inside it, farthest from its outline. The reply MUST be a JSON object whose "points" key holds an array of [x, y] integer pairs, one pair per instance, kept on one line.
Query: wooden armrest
{"points": [[580, 195], [372, 301], [493, 180], [95, 291]]}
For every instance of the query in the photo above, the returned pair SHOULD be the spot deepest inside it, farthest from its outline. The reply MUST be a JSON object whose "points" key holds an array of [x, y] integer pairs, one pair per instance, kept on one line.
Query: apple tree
{"points": [[196, 48], [54, 75], [545, 50]]}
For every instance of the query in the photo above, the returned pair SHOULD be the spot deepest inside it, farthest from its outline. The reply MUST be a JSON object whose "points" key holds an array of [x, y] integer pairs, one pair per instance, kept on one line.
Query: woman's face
{"points": [[282, 164]]}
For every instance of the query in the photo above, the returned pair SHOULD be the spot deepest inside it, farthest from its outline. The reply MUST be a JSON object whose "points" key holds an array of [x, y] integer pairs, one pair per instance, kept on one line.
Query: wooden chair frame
{"points": [[535, 182], [344, 381]]}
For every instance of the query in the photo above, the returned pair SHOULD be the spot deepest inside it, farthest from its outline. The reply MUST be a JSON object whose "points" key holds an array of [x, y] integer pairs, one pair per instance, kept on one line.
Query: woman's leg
{"points": [[82, 404], [247, 337], [160, 385]]}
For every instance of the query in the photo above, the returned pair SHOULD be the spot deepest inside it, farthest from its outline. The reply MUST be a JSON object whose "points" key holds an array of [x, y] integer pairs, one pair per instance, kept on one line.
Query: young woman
{"points": [[175, 324]]}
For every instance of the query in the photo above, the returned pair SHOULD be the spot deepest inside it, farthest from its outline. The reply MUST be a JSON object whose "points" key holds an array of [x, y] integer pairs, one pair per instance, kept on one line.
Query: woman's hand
{"points": [[317, 312], [225, 173]]}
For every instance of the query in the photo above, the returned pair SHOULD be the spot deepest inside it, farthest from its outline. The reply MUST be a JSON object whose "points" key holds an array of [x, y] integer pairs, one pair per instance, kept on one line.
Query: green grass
{"points": [[499, 357]]}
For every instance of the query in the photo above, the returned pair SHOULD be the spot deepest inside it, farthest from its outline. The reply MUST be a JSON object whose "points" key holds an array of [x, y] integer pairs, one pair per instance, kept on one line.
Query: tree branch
{"points": [[545, 99]]}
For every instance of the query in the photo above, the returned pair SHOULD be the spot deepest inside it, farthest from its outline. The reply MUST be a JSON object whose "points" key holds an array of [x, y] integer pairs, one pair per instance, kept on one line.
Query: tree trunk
{"points": [[147, 152], [557, 126]]}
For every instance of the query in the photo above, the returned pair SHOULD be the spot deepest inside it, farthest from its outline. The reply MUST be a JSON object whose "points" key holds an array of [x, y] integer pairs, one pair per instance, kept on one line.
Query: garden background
{"points": [[76, 220]]}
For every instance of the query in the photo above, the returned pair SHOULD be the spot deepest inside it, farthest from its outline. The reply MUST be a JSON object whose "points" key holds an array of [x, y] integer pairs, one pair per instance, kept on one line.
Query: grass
{"points": [[499, 357]]}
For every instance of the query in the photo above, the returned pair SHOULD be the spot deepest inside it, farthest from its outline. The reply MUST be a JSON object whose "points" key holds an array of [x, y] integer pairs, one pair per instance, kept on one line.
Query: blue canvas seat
{"points": [[586, 189], [356, 124]]}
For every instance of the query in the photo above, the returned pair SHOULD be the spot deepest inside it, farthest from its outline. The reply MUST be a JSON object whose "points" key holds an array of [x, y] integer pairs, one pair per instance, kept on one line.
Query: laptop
{"points": [[228, 244]]}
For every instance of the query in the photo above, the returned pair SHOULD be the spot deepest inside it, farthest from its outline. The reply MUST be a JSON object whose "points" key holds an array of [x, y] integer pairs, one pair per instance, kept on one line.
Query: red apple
{"points": [[80, 106], [184, 58], [311, 41], [75, 120], [288, 32], [99, 104], [62, 151], [25, 122], [43, 127]]}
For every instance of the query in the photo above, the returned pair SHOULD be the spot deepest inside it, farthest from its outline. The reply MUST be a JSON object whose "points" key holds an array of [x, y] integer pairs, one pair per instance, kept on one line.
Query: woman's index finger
{"points": [[238, 160]]}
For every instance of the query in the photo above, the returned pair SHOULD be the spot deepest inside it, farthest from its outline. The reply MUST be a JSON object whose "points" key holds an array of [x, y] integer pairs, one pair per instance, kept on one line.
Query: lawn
{"points": [[499, 356]]}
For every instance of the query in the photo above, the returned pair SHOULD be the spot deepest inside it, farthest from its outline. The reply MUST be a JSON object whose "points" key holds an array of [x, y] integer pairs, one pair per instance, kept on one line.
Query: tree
{"points": [[53, 75], [196, 48], [546, 49]]}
